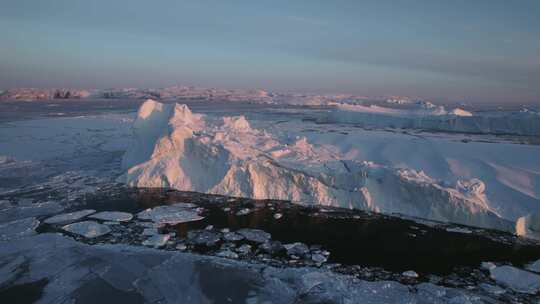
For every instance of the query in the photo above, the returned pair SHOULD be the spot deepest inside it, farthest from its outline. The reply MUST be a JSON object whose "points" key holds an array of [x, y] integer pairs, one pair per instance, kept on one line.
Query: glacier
{"points": [[175, 148]]}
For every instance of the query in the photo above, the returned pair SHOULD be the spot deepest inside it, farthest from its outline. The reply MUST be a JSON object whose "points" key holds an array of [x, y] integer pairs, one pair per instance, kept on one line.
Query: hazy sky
{"points": [[471, 50]]}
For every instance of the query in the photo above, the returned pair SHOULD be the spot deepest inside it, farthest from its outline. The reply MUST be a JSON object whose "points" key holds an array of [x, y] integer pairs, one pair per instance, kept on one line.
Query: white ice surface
{"points": [[174, 277], [65, 218], [115, 216], [430, 117], [517, 279], [176, 148], [88, 229]]}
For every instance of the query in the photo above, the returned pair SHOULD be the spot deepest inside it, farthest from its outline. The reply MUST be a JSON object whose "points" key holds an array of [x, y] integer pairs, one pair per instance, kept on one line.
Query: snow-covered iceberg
{"points": [[427, 116], [176, 148]]}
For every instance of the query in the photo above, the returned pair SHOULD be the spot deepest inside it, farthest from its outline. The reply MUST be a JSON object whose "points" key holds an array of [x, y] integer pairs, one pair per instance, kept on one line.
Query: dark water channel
{"points": [[352, 237]]}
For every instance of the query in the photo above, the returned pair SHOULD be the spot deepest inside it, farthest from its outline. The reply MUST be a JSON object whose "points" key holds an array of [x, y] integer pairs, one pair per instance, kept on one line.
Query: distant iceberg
{"points": [[175, 148], [427, 116]]}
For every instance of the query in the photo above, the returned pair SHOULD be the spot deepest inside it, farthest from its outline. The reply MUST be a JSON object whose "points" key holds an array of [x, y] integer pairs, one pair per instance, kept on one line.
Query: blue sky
{"points": [[476, 51]]}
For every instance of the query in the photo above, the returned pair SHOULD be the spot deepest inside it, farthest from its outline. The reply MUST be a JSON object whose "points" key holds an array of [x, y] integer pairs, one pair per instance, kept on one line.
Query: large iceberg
{"points": [[427, 116], [175, 148]]}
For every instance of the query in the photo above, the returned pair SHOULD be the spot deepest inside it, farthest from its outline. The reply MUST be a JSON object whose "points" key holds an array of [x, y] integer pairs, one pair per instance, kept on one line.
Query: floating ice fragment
{"points": [[534, 266], [517, 279], [255, 235], [115, 216], [488, 265], [203, 237], [244, 211], [227, 254], [459, 230], [88, 229], [70, 217], [232, 236], [150, 231], [157, 241], [493, 289], [297, 249], [172, 215], [410, 274]]}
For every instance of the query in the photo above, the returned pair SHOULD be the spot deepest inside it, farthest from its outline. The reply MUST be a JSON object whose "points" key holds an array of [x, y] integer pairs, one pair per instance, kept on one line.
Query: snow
{"points": [[170, 214], [435, 118], [115, 216], [517, 279], [65, 218], [88, 229], [174, 148]]}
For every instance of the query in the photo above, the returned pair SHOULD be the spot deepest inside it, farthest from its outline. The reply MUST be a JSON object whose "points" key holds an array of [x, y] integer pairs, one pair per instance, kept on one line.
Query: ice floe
{"points": [[88, 229], [171, 214], [70, 217], [517, 279], [115, 216], [157, 240], [18, 228]]}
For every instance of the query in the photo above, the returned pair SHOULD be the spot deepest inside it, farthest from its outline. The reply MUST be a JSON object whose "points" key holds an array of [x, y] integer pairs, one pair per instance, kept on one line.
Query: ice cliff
{"points": [[427, 116], [175, 148]]}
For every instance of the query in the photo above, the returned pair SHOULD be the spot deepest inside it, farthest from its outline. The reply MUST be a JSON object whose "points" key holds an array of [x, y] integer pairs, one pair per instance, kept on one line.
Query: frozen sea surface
{"points": [[58, 157]]}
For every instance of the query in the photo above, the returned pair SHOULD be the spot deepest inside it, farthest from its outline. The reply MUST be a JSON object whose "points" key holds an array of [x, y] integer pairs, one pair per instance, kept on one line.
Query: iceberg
{"points": [[175, 148], [529, 226], [426, 116]]}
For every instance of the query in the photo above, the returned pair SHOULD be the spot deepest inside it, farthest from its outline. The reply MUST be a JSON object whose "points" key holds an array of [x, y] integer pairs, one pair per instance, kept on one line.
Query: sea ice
{"points": [[255, 235], [70, 217], [157, 240], [427, 116], [115, 216], [170, 214], [534, 266], [88, 229], [18, 228], [517, 279], [410, 274], [32, 210]]}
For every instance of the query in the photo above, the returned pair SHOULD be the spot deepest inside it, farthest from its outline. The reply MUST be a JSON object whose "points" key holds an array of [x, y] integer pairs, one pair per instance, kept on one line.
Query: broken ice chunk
{"points": [[88, 229], [255, 235], [517, 279], [65, 218], [410, 274], [172, 215], [114, 216], [157, 241]]}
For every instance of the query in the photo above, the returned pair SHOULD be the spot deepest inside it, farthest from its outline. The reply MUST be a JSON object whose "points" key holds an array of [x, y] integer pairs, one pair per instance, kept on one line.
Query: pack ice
{"points": [[175, 148]]}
